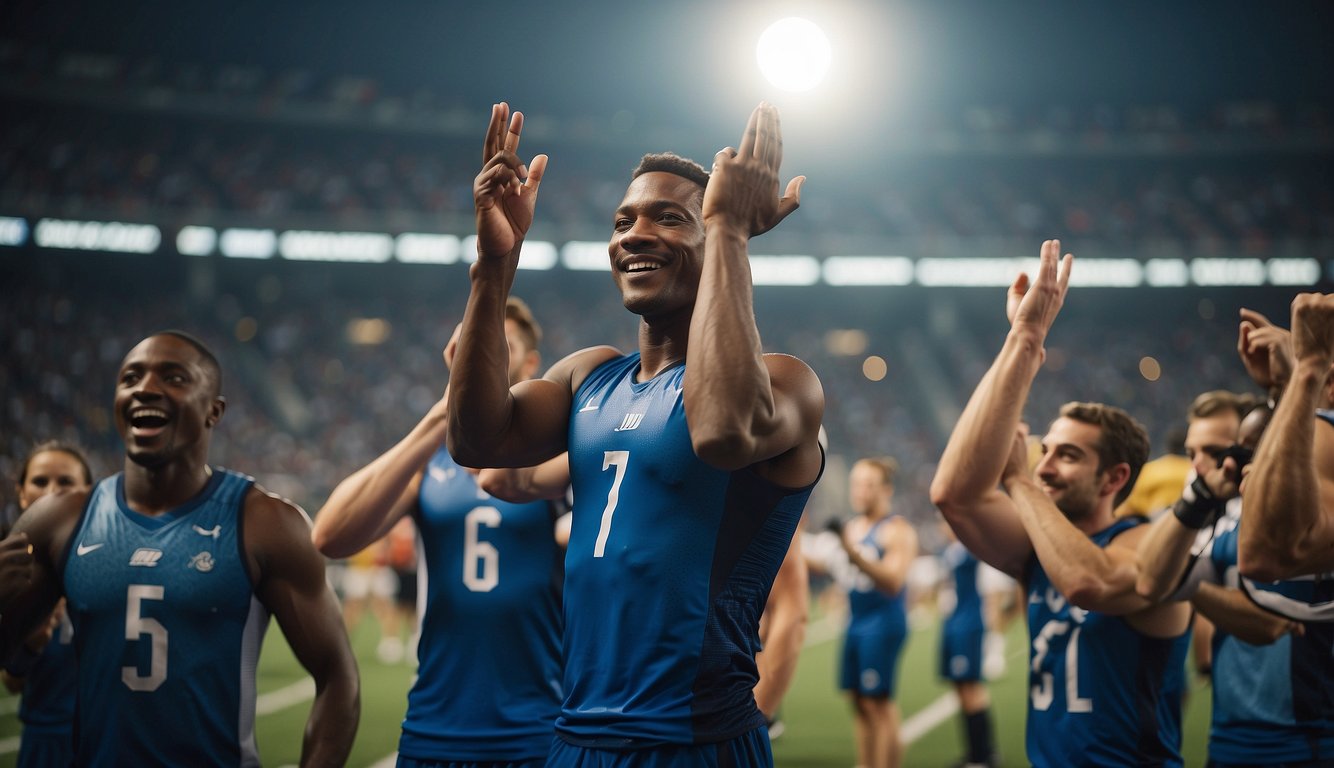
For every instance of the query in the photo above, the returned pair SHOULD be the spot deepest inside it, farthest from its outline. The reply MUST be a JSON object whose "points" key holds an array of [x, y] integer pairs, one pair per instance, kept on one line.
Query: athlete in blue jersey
{"points": [[488, 686], [690, 468], [879, 547], [171, 569], [1288, 529], [969, 607], [1105, 670], [45, 670]]}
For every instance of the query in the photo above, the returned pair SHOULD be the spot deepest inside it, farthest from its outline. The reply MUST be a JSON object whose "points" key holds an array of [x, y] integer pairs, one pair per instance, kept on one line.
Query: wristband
{"points": [[1198, 506]]}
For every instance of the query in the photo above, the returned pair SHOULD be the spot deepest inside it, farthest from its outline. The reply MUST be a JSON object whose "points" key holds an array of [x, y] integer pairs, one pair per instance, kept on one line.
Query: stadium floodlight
{"points": [[868, 270], [784, 270], [1107, 273], [794, 54], [13, 231], [309, 245], [536, 254], [586, 256], [1227, 271], [1293, 271], [1166, 273], [425, 248], [196, 240], [240, 243], [958, 273], [108, 236]]}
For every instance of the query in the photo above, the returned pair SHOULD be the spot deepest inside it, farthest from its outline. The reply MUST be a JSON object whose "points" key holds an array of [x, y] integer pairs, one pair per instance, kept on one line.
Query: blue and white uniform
{"points": [[1101, 693], [964, 628], [1272, 704], [489, 686], [877, 627], [668, 570], [47, 707], [167, 629]]}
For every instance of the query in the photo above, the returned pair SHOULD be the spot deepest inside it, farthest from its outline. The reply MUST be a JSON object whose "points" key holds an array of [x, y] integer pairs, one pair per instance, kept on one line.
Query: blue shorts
{"points": [[961, 655], [408, 762], [870, 663], [749, 750], [46, 746]]}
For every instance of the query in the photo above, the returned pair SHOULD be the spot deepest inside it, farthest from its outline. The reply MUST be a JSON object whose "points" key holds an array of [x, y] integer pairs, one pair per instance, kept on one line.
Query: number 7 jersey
{"points": [[166, 629], [669, 566]]}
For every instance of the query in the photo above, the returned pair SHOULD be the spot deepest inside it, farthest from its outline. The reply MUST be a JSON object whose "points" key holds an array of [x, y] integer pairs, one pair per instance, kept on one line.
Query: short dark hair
{"points": [[1122, 440], [1218, 401], [56, 446], [670, 162], [209, 359], [516, 309]]}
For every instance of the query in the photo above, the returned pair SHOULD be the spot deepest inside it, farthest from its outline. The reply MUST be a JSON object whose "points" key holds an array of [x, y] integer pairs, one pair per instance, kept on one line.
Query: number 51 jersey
{"points": [[166, 629]]}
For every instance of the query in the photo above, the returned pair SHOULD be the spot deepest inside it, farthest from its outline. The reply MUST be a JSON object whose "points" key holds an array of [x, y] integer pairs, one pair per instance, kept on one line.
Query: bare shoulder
{"points": [[273, 523], [571, 370]]}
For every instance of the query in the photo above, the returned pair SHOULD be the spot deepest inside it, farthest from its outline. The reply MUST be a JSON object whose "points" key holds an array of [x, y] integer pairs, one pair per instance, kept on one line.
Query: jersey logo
{"points": [[589, 406], [202, 562], [217, 529], [439, 474], [631, 421], [84, 549], [146, 557]]}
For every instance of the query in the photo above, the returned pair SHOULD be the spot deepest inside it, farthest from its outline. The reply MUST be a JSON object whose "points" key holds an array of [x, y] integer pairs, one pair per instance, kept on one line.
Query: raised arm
{"points": [[1164, 552], [890, 572], [965, 486], [745, 407], [290, 582], [783, 630], [1288, 527]]}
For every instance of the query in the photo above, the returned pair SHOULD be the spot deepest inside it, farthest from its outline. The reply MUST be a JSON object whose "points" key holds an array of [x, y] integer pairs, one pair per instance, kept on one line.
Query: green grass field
{"points": [[819, 728]]}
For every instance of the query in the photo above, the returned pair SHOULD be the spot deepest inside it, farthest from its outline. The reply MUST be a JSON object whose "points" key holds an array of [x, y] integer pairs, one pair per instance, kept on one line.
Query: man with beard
{"points": [[1106, 664], [170, 570]]}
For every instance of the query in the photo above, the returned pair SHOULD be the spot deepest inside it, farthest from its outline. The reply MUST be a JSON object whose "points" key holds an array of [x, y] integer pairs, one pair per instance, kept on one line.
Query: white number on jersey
{"points": [[618, 459], [480, 555], [137, 625], [1042, 694]]}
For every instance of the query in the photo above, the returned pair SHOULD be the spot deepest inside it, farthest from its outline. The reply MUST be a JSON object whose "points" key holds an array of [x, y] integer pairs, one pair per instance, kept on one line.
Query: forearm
{"points": [[975, 456], [332, 725], [728, 396], [887, 575], [1282, 489], [548, 480], [480, 405], [1162, 557], [1234, 613], [1079, 569], [362, 507]]}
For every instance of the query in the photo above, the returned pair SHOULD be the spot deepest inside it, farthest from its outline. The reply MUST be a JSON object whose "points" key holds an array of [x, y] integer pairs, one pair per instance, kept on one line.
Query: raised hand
{"points": [[1265, 349], [1036, 303], [1313, 328], [743, 187], [505, 192]]}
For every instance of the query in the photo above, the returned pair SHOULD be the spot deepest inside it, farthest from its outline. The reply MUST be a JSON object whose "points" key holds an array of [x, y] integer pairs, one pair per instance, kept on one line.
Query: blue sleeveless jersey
{"points": [[167, 630], [962, 566], [1101, 693], [488, 687], [1271, 703], [669, 567], [870, 610], [49, 687]]}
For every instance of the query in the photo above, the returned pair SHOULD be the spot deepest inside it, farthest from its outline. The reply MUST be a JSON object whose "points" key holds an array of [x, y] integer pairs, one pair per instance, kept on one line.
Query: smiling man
{"points": [[171, 569], [691, 459], [1106, 671]]}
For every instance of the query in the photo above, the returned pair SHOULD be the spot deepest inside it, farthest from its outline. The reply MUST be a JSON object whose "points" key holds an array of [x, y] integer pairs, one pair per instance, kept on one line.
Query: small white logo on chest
{"points": [[217, 529], [631, 421], [146, 557], [202, 562]]}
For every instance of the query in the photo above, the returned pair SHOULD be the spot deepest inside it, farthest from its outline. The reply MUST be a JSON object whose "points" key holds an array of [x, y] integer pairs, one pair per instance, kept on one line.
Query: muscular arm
{"points": [[369, 502], [1288, 528], [1162, 557], [783, 630], [889, 573], [290, 582], [548, 480], [1231, 611]]}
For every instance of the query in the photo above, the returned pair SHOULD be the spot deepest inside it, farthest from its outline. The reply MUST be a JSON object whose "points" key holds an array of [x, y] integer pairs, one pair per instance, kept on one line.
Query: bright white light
{"points": [[784, 270], [196, 241], [426, 248], [793, 53]]}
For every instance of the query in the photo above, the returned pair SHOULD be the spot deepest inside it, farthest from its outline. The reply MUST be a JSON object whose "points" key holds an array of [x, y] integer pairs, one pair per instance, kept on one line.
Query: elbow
{"points": [[328, 544], [1086, 594], [725, 450], [1259, 566], [1149, 588]]}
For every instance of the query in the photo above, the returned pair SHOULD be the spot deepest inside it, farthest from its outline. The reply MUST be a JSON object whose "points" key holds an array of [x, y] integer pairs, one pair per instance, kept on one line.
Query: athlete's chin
{"points": [[148, 458]]}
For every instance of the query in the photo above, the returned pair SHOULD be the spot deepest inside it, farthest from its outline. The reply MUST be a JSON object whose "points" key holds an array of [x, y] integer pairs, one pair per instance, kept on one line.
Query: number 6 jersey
{"points": [[167, 630]]}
